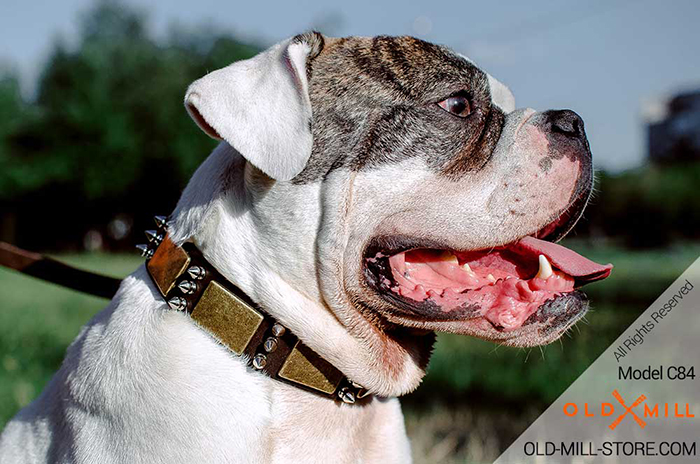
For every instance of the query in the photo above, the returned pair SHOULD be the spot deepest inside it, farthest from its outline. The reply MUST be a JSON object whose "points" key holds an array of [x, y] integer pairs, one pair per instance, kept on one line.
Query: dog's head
{"points": [[397, 187]]}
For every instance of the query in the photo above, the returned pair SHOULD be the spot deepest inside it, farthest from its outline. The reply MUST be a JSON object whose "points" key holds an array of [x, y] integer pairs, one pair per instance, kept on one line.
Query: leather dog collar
{"points": [[189, 283]]}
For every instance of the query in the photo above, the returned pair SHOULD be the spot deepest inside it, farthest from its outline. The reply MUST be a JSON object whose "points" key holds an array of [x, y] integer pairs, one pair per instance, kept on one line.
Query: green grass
{"points": [[469, 382], [37, 322]]}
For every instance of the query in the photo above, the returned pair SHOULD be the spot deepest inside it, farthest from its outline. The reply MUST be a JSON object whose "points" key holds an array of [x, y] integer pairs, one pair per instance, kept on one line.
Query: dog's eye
{"points": [[457, 105]]}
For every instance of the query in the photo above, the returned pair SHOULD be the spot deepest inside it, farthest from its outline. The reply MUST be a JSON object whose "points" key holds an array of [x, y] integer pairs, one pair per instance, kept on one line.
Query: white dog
{"points": [[367, 192]]}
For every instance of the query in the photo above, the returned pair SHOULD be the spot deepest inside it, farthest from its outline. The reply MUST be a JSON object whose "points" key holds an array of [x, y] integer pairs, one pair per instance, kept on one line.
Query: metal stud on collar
{"points": [[346, 395], [146, 251], [187, 287], [270, 344], [154, 237], [355, 384], [178, 303], [259, 361], [278, 329], [196, 272]]}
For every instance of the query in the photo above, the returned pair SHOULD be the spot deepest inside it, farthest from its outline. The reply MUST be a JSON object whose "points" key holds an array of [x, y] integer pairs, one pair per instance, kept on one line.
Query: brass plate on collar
{"points": [[306, 368], [167, 264], [227, 317]]}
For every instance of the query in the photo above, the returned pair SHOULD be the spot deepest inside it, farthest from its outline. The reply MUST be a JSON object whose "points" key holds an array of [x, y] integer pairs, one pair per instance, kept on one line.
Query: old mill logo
{"points": [[637, 413]]}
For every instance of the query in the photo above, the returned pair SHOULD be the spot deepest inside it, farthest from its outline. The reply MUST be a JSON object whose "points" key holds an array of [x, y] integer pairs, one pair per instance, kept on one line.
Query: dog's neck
{"points": [[189, 283], [262, 237]]}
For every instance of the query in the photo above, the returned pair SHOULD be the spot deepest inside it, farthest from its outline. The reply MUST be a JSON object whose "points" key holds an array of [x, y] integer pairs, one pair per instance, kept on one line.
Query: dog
{"points": [[366, 193]]}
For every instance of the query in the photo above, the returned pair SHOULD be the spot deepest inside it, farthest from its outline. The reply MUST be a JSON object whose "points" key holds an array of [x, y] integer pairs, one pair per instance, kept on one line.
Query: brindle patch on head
{"points": [[316, 42], [374, 102]]}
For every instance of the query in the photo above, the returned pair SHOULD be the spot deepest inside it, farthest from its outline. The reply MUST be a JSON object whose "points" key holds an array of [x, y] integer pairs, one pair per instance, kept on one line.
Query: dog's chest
{"points": [[306, 428], [258, 419], [154, 388], [213, 408]]}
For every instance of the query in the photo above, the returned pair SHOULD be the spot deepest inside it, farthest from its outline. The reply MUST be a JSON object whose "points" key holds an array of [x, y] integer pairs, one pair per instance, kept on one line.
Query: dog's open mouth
{"points": [[530, 280]]}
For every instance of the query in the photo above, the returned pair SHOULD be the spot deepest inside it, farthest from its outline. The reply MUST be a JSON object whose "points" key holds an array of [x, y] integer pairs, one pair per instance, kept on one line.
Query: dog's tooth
{"points": [[449, 257], [545, 270], [466, 267], [491, 278]]}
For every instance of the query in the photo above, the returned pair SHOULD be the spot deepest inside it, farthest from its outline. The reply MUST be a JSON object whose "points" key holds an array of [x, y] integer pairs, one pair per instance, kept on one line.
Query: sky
{"points": [[612, 62]]}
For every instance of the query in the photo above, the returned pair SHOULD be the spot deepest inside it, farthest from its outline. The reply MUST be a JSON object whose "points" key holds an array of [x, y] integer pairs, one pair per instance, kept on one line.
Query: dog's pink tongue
{"points": [[568, 261]]}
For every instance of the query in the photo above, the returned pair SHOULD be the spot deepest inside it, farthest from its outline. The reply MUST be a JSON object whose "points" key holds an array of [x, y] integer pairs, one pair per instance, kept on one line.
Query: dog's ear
{"points": [[261, 106], [501, 95]]}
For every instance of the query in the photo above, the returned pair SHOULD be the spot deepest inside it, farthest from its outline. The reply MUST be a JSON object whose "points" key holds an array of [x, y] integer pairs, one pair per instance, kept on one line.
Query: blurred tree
{"points": [[14, 112], [647, 207], [108, 130]]}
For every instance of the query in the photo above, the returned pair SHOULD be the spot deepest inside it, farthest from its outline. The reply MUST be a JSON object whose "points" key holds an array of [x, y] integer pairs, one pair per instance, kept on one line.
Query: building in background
{"points": [[673, 128]]}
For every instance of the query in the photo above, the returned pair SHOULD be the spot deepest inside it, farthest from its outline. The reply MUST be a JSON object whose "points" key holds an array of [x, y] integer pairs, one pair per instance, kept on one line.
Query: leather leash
{"points": [[50, 270]]}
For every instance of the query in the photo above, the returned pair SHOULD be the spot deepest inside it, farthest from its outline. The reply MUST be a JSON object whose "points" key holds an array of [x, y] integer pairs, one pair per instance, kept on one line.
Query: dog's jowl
{"points": [[366, 193]]}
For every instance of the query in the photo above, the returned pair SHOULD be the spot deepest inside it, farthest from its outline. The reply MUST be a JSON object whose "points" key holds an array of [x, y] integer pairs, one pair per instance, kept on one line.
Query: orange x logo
{"points": [[628, 410]]}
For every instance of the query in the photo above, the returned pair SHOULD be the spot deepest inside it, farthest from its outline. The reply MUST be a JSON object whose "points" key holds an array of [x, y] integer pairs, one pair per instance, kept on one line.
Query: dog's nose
{"points": [[565, 122]]}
